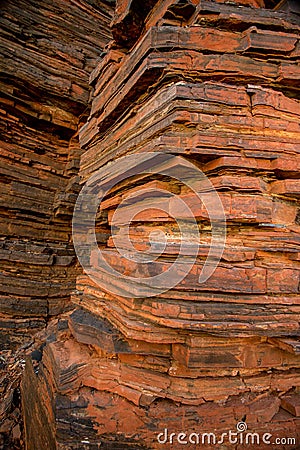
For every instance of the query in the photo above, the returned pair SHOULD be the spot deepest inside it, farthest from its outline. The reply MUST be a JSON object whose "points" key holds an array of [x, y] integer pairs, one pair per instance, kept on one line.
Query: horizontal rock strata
{"points": [[47, 51], [215, 85]]}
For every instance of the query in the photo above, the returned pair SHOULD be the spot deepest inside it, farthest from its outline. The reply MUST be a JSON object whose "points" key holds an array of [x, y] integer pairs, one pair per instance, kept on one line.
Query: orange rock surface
{"points": [[215, 84]]}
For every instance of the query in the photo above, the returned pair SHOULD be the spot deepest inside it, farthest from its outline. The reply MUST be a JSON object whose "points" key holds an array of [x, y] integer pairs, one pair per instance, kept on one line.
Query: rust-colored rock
{"points": [[212, 83], [47, 51]]}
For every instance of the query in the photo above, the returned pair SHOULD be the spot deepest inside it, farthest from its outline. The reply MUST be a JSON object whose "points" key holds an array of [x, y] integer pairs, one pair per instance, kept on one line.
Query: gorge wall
{"points": [[47, 51], [206, 83]]}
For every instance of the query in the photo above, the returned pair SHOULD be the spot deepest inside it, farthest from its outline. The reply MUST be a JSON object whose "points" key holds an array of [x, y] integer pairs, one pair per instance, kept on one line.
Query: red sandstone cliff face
{"points": [[217, 84], [48, 50]]}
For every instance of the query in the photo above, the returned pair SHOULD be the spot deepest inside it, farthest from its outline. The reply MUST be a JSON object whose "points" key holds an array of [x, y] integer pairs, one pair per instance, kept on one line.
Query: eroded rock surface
{"points": [[216, 84], [47, 51]]}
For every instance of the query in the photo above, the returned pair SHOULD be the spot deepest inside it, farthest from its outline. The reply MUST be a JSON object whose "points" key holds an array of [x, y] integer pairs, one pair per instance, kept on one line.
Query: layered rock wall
{"points": [[216, 85], [47, 51]]}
